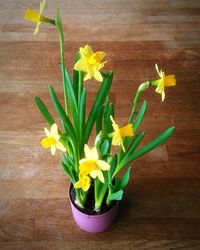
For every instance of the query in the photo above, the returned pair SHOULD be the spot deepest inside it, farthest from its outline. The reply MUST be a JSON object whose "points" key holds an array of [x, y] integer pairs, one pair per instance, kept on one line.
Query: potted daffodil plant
{"points": [[95, 171]]}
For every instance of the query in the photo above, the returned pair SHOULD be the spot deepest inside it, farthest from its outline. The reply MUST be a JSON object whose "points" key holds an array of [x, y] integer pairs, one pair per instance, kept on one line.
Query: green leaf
{"points": [[68, 171], [114, 196], [64, 118], [153, 144], [113, 164], [70, 93], [109, 111], [81, 117], [68, 160], [61, 37], [140, 117], [100, 191], [47, 116], [134, 143], [72, 100], [101, 95], [124, 180], [76, 76], [99, 118], [105, 147]]}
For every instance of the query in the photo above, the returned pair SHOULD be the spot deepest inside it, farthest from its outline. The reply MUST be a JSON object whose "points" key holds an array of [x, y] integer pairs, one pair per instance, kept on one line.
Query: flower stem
{"points": [[80, 85], [96, 194], [47, 20], [78, 197], [141, 88], [61, 37]]}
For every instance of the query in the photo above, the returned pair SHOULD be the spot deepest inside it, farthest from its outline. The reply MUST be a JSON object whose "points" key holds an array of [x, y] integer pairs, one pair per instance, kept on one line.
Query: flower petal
{"points": [[94, 154], [82, 161], [86, 183], [98, 76], [47, 132], [42, 6], [160, 88], [93, 174], [54, 132], [114, 124], [116, 140], [163, 95], [86, 77], [81, 65], [159, 72], [60, 146], [87, 152], [37, 28], [103, 165], [122, 145], [53, 149], [78, 184], [88, 50], [100, 175]]}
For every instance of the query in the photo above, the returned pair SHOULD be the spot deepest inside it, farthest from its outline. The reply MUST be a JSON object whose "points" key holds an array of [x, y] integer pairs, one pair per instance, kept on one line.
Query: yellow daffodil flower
{"points": [[35, 16], [90, 63], [120, 133], [83, 182], [52, 140], [92, 165], [164, 81]]}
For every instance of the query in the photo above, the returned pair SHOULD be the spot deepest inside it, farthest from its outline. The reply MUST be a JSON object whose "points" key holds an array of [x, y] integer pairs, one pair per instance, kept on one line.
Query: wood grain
{"points": [[161, 207]]}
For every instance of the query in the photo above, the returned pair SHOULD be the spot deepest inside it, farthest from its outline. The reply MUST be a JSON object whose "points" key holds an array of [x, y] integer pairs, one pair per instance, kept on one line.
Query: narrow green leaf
{"points": [[68, 171], [113, 164], [77, 76], [101, 95], [81, 117], [99, 118], [134, 143], [125, 179], [44, 111], [105, 147], [101, 191], [107, 121], [64, 118], [139, 117], [68, 160], [72, 101], [114, 196], [70, 93], [153, 144], [62, 52]]}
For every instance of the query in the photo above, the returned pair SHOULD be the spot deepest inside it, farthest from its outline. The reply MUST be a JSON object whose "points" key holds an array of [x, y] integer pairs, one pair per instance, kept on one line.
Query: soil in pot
{"points": [[90, 203]]}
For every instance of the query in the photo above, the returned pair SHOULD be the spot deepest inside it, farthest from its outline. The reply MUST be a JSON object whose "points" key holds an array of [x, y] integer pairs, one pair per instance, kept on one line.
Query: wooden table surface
{"points": [[161, 207]]}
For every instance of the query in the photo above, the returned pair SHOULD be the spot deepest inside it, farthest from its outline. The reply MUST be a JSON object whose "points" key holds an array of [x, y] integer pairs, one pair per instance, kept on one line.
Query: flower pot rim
{"points": [[90, 215]]}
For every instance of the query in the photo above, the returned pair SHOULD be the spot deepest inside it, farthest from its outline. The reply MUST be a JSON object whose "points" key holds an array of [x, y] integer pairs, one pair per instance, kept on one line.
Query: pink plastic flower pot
{"points": [[94, 223]]}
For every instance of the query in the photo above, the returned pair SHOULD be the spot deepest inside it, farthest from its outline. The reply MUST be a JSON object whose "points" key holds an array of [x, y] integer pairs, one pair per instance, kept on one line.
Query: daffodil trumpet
{"points": [[34, 16], [94, 169]]}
